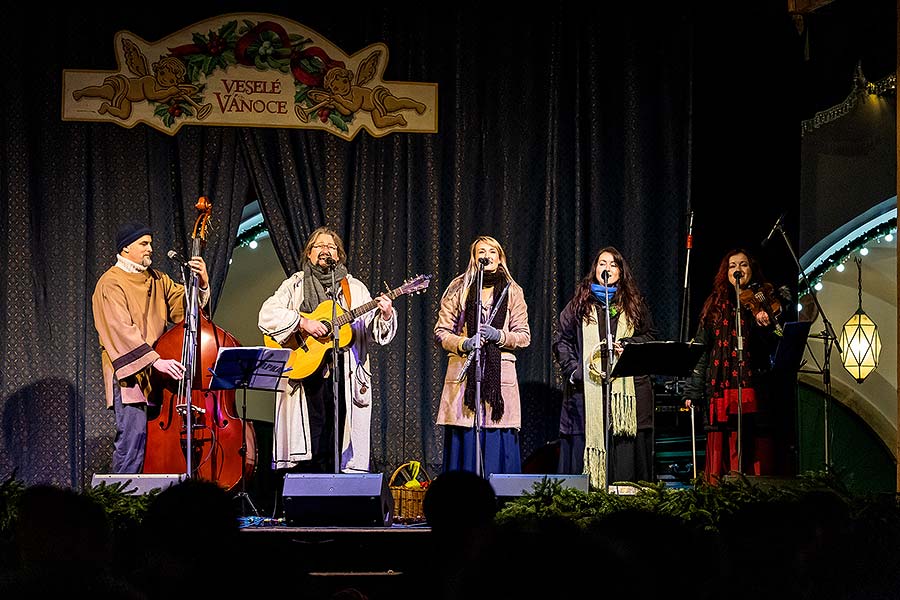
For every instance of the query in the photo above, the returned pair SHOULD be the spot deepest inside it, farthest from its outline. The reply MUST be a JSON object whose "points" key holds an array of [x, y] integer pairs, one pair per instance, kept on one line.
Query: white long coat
{"points": [[278, 318]]}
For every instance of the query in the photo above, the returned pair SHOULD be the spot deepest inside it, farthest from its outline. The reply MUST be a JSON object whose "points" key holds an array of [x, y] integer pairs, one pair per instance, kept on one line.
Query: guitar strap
{"points": [[345, 287]]}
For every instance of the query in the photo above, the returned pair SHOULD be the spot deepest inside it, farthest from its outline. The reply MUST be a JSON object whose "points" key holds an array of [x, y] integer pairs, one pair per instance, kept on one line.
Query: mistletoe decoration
{"points": [[265, 46]]}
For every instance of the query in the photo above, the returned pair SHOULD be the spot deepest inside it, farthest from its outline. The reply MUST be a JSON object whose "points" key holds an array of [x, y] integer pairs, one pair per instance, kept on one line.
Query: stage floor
{"points": [[378, 561]]}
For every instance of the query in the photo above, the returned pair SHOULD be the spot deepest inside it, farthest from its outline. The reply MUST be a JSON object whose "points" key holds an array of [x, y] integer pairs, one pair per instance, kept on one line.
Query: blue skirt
{"points": [[499, 449]]}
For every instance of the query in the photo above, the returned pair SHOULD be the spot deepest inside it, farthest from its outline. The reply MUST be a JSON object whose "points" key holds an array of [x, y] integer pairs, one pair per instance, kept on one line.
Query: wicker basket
{"points": [[408, 485]]}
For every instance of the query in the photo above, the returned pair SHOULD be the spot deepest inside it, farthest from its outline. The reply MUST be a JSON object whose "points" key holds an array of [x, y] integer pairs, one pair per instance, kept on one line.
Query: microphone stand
{"points": [[188, 358], [243, 495], [607, 379], [684, 335], [685, 293], [335, 380], [479, 279], [828, 335], [740, 361]]}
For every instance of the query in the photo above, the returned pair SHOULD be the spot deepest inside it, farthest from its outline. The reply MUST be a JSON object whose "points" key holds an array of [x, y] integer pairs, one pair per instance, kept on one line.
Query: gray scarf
{"points": [[316, 282]]}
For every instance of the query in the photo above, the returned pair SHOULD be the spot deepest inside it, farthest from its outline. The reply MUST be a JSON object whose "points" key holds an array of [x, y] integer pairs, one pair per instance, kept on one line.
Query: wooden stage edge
{"points": [[376, 560], [320, 548]]}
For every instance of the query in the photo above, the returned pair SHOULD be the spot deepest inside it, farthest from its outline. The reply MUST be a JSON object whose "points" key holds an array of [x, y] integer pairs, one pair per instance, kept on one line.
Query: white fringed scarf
{"points": [[624, 411]]}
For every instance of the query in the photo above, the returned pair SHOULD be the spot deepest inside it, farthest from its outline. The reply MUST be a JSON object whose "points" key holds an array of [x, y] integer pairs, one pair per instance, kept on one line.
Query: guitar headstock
{"points": [[416, 284]]}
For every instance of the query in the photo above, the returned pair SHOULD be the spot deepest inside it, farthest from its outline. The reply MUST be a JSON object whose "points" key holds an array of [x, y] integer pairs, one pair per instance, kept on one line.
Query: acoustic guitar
{"points": [[308, 351]]}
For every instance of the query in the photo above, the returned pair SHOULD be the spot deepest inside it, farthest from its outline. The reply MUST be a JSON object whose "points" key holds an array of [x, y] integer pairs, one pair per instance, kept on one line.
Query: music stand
{"points": [[250, 367], [661, 357], [789, 353], [786, 364]]}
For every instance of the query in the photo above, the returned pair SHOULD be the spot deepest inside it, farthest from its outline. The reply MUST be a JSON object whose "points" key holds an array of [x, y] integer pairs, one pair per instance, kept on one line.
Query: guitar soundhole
{"points": [[327, 325]]}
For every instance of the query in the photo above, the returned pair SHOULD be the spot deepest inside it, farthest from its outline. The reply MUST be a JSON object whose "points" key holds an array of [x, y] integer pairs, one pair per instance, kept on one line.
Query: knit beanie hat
{"points": [[128, 233]]}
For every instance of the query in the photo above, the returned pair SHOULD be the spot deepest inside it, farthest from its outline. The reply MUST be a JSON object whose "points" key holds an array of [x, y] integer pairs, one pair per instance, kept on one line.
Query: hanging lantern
{"points": [[860, 342]]}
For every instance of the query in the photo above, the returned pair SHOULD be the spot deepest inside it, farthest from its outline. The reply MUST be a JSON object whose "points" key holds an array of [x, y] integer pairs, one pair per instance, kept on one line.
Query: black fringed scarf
{"points": [[490, 352]]}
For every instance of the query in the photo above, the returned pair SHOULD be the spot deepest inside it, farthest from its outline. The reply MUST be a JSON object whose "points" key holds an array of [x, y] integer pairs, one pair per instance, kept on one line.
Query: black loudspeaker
{"points": [[138, 484], [337, 499], [515, 484]]}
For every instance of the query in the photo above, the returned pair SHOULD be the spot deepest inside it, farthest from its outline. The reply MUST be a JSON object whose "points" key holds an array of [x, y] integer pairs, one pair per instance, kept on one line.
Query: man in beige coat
{"points": [[133, 304]]}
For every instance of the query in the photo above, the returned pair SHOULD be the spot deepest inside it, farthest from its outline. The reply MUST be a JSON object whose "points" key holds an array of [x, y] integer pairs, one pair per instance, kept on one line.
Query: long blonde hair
{"points": [[472, 270]]}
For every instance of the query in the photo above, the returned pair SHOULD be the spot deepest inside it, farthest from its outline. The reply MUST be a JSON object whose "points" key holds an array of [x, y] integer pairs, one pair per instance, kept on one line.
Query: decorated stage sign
{"points": [[252, 70]]}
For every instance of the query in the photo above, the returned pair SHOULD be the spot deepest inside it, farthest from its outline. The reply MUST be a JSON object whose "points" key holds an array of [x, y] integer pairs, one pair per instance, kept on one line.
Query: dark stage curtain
{"points": [[557, 135], [66, 187], [289, 182], [556, 138]]}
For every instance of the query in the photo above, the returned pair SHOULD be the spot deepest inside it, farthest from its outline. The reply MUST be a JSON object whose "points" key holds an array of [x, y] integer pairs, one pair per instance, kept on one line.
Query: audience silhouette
{"points": [[817, 544], [189, 539], [459, 507], [62, 542]]}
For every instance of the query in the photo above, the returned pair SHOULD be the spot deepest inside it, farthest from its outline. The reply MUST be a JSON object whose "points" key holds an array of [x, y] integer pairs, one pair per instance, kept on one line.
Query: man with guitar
{"points": [[299, 316], [133, 305]]}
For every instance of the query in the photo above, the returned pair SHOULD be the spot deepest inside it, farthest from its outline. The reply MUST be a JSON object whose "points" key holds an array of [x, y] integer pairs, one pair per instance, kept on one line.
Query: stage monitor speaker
{"points": [[138, 484], [515, 484], [337, 500]]}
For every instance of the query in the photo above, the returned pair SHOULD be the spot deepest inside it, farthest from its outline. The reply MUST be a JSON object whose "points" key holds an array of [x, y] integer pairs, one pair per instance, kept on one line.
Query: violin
{"points": [[761, 297]]}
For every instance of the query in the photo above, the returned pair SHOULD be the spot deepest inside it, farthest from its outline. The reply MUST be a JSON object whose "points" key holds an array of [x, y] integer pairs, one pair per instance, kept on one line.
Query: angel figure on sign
{"points": [[121, 91], [347, 97]]}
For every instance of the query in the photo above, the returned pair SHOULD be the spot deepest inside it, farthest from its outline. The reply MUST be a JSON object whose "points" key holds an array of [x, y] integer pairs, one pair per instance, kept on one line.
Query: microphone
{"points": [[604, 275], [177, 257], [737, 275], [775, 228], [484, 260], [330, 261]]}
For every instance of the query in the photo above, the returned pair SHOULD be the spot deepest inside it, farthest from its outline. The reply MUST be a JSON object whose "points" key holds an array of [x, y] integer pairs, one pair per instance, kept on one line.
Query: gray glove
{"points": [[490, 334], [468, 345]]}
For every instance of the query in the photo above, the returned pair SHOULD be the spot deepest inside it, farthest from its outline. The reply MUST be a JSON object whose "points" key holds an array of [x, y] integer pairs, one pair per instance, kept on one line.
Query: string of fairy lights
{"points": [[250, 236], [881, 233]]}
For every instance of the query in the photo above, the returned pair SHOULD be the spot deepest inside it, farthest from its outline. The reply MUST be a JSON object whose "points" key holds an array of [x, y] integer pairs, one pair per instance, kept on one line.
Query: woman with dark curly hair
{"points": [[585, 417]]}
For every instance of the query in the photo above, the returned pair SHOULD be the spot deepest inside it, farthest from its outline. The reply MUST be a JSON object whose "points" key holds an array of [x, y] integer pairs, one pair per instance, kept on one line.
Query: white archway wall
{"points": [[874, 400], [253, 276], [883, 427]]}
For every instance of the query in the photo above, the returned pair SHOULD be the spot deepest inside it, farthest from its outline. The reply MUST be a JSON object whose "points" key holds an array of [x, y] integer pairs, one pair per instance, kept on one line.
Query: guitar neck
{"points": [[351, 315]]}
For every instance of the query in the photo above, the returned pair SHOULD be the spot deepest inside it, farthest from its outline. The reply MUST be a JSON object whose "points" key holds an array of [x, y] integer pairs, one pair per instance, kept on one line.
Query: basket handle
{"points": [[414, 466]]}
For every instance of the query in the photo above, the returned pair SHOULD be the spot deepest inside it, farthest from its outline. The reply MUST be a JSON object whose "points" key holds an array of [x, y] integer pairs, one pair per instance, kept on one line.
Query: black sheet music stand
{"points": [[657, 358], [661, 357], [789, 353], [787, 363], [254, 368]]}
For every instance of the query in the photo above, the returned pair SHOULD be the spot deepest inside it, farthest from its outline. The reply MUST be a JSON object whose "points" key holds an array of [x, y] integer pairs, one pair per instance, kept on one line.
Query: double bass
{"points": [[191, 428]]}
